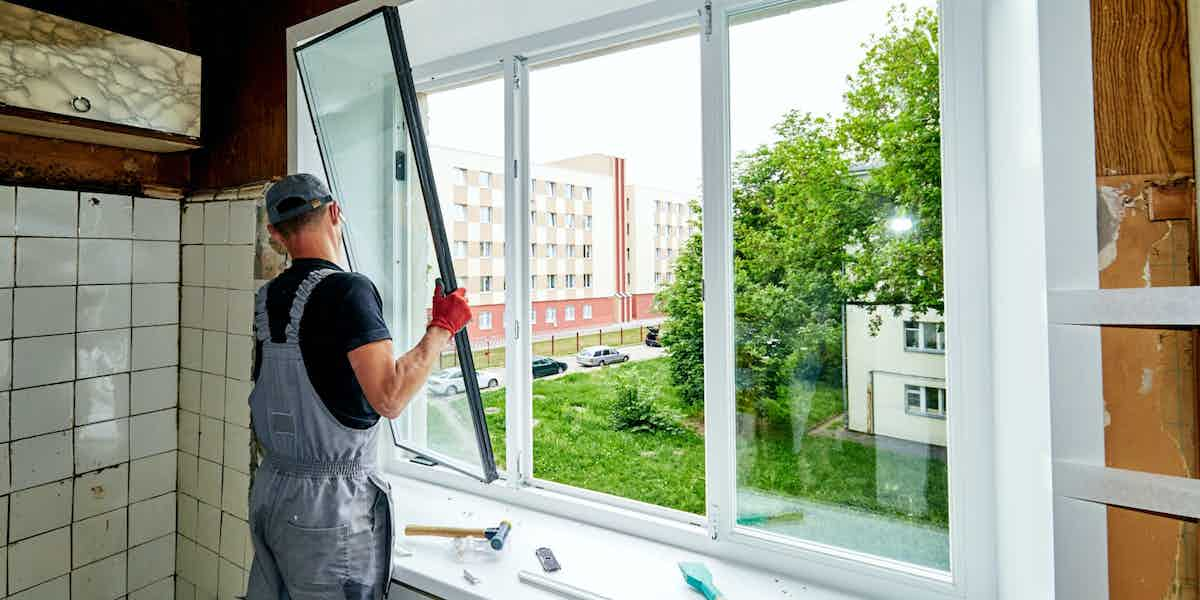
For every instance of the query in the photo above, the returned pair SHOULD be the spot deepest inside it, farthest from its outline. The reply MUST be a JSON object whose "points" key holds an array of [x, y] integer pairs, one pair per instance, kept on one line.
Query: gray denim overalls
{"points": [[320, 517]]}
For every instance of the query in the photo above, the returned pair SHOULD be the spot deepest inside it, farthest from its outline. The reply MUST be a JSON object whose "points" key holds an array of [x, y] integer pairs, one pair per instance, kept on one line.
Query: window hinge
{"points": [[714, 521], [706, 19], [516, 329], [517, 71], [514, 168]]}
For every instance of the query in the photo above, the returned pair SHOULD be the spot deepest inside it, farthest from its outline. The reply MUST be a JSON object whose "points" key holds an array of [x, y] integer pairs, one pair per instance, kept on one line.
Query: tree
{"points": [[811, 231]]}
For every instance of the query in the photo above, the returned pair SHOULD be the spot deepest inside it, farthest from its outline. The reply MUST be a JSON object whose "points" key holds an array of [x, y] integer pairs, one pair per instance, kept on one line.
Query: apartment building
{"points": [[600, 248]]}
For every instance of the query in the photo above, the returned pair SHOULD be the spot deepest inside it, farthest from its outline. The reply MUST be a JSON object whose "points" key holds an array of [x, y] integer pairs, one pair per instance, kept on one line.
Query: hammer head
{"points": [[497, 535]]}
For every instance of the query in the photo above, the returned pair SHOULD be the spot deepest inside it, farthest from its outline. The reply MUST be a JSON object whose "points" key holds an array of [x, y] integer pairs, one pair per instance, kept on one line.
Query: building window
{"points": [[533, 217], [460, 249], [570, 280], [570, 250], [460, 177], [533, 282], [485, 283], [568, 190], [485, 320], [658, 253], [587, 310], [551, 250], [533, 251], [657, 278], [569, 313], [587, 221], [532, 316], [925, 401], [485, 249], [552, 219], [551, 315], [485, 179], [460, 212], [570, 221], [551, 281], [550, 188], [587, 280], [485, 214], [587, 250], [921, 336]]}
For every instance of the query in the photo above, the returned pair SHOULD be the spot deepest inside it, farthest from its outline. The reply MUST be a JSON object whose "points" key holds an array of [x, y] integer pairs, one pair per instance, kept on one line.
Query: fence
{"points": [[490, 352]]}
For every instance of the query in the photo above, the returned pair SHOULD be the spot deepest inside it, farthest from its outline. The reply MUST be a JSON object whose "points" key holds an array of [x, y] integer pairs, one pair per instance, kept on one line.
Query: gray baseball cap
{"points": [[295, 195]]}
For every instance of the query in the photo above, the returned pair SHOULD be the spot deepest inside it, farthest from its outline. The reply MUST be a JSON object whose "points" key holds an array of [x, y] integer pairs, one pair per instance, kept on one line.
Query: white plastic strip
{"points": [[1166, 306], [562, 589], [1164, 494]]}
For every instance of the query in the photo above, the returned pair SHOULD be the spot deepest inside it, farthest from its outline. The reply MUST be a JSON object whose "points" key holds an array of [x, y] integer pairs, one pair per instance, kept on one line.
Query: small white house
{"points": [[896, 377]]}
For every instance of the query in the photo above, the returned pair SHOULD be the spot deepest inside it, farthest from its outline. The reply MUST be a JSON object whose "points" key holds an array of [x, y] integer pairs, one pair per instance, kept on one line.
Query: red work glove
{"points": [[450, 312]]}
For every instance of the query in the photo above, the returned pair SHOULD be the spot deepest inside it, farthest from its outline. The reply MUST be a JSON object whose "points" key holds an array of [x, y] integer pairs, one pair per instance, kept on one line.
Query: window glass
{"points": [[631, 429], [838, 267], [485, 214]]}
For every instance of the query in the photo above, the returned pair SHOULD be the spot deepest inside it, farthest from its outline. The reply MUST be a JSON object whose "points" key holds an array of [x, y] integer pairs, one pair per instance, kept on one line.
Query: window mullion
{"points": [[517, 298]]}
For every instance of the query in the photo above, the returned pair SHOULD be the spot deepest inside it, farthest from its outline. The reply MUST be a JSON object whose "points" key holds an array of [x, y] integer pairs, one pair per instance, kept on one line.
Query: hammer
{"points": [[494, 535]]}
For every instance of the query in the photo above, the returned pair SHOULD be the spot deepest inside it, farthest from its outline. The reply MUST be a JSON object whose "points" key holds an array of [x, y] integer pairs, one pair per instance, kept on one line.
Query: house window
{"points": [[570, 250], [460, 212], [922, 336], [552, 219], [551, 315], [569, 313], [568, 190], [485, 249], [570, 221], [570, 280], [532, 316], [485, 179], [657, 278], [533, 282], [485, 214], [532, 186], [533, 217], [485, 283], [587, 221], [587, 280], [485, 321], [533, 251], [587, 310], [925, 401], [587, 193], [587, 250], [460, 177], [551, 281], [550, 188], [460, 249], [551, 250]]}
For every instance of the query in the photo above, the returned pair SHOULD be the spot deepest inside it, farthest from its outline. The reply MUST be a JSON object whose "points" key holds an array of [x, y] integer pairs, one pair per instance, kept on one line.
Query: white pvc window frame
{"points": [[972, 510]]}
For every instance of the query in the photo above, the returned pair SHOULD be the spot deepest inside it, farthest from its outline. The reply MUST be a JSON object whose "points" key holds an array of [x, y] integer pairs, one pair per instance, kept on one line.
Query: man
{"points": [[320, 517]]}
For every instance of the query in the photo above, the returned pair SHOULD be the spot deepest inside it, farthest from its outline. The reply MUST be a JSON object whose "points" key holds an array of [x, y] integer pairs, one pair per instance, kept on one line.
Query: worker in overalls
{"points": [[320, 516]]}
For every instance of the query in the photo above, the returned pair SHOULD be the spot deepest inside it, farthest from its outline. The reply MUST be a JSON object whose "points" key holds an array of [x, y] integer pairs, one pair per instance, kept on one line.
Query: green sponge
{"points": [[698, 576]]}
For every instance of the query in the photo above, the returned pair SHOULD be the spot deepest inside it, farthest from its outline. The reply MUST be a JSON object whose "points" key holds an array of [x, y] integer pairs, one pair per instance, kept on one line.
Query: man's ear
{"points": [[335, 213], [275, 235]]}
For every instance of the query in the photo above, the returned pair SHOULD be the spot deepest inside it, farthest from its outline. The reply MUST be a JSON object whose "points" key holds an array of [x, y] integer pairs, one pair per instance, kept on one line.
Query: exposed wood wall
{"points": [[1143, 156]]}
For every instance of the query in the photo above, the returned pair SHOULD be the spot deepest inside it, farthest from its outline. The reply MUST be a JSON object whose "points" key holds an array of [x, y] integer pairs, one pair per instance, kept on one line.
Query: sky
{"points": [[643, 103]]}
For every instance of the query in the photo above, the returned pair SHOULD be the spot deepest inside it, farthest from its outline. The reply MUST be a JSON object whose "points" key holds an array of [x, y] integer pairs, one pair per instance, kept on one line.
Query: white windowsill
{"points": [[605, 562]]}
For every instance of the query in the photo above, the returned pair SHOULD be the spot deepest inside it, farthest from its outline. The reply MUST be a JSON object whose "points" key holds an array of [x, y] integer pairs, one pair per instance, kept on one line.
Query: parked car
{"points": [[543, 366], [600, 355], [652, 337], [449, 382]]}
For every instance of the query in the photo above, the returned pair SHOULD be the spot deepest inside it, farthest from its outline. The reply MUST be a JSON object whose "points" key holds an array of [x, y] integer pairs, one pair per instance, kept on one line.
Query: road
{"points": [[636, 353]]}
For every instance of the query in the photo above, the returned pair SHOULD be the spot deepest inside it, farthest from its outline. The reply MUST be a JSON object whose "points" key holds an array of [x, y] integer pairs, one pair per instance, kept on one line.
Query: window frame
{"points": [[923, 337], [967, 271]]}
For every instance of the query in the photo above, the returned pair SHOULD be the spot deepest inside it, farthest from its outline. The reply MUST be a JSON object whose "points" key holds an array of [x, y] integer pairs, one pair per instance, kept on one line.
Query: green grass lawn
{"points": [[575, 444]]}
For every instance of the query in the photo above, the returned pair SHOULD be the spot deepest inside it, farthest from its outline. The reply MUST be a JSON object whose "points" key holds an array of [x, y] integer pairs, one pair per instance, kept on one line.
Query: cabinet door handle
{"points": [[81, 104]]}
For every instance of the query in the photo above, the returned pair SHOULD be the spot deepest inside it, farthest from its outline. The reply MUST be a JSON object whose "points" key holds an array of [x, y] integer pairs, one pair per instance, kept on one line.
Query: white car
{"points": [[449, 382], [596, 356]]}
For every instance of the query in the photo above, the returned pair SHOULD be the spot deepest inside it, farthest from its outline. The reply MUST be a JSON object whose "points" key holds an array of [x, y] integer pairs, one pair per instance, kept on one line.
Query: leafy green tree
{"points": [[683, 333]]}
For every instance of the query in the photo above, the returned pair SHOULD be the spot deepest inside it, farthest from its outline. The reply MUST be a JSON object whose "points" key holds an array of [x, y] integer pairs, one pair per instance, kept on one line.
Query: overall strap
{"points": [[298, 303], [262, 323]]}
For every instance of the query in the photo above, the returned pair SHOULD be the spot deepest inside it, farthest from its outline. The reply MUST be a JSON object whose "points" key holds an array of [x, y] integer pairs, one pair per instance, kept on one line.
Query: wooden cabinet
{"points": [[61, 78]]}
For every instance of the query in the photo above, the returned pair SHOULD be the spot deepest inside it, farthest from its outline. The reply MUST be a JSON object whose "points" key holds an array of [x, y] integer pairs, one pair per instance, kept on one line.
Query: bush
{"points": [[634, 408]]}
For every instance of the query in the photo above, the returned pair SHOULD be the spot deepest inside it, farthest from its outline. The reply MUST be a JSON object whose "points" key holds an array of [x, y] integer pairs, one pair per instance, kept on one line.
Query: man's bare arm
{"points": [[389, 384]]}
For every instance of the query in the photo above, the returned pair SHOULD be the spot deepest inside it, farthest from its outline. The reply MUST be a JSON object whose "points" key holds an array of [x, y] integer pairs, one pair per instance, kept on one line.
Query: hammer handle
{"points": [[450, 532]]}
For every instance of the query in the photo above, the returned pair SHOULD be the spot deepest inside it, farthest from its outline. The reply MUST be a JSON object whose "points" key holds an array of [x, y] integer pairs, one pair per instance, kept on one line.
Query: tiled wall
{"points": [[88, 352], [216, 346]]}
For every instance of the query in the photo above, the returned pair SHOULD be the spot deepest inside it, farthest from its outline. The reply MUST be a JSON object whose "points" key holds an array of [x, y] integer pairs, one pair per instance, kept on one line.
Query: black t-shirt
{"points": [[343, 312]]}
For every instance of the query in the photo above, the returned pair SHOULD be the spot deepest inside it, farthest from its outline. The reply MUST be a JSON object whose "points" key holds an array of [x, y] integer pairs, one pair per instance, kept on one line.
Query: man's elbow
{"points": [[389, 411]]}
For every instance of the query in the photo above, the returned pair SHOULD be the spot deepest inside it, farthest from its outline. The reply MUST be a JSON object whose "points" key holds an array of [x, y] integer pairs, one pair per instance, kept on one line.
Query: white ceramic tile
{"points": [[235, 493], [6, 312], [229, 580], [191, 348], [105, 261], [214, 352], [40, 509], [152, 433], [39, 559], [189, 390], [241, 312], [103, 307], [193, 265], [237, 402], [5, 409], [153, 562], [163, 589], [189, 474], [155, 262], [216, 266], [208, 482], [189, 432], [41, 311], [237, 448], [8, 210], [105, 216], [43, 360], [193, 223], [191, 312], [240, 356], [8, 261], [152, 476], [40, 410], [206, 571], [155, 219], [211, 439], [5, 364], [44, 261], [155, 304], [185, 509], [47, 212], [3, 521], [101, 399], [150, 519], [185, 560], [241, 267], [40, 459], [102, 352], [212, 396], [5, 485], [55, 589], [101, 445], [208, 526], [101, 491], [234, 534], [216, 308], [216, 223], [102, 580], [153, 390], [155, 347], [243, 222]]}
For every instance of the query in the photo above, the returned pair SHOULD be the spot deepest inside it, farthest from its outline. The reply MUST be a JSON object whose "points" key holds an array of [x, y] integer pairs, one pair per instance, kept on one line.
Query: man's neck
{"points": [[320, 249]]}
